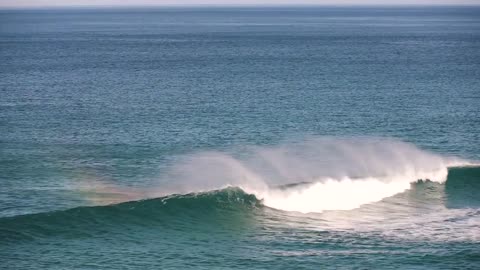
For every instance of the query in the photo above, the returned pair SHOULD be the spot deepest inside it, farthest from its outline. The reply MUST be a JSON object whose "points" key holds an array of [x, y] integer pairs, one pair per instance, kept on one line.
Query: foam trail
{"points": [[312, 175]]}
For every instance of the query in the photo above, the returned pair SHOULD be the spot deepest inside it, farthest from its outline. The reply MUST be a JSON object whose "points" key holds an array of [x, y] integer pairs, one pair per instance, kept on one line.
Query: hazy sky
{"points": [[46, 3]]}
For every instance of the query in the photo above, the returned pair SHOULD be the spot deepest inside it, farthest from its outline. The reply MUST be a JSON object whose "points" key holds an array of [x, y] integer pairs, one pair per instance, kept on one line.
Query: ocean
{"points": [[240, 138]]}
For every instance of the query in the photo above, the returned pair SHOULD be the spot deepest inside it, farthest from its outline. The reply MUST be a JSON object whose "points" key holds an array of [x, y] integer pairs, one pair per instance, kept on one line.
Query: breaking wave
{"points": [[312, 175]]}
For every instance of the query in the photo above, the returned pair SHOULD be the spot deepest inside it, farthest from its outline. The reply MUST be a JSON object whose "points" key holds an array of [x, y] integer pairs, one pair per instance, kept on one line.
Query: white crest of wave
{"points": [[313, 175], [336, 194], [343, 194]]}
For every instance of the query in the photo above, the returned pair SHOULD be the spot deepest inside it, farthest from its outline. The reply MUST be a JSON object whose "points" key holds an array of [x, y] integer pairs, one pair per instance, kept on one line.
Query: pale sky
{"points": [[66, 3]]}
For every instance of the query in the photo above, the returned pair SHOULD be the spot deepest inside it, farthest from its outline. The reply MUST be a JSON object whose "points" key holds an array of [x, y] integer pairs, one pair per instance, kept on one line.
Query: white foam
{"points": [[340, 194]]}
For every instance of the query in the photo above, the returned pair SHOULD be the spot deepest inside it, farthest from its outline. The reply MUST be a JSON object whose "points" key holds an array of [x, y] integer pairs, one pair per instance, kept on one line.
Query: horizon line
{"points": [[122, 6]]}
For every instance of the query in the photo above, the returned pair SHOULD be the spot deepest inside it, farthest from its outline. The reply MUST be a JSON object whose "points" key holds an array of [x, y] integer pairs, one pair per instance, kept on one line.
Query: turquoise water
{"points": [[240, 138]]}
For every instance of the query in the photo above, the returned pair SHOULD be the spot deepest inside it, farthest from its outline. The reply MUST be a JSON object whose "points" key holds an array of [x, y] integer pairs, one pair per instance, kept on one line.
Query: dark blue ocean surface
{"points": [[240, 138]]}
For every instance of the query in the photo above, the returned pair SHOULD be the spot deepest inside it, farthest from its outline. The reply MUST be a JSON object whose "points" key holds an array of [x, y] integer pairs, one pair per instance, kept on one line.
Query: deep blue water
{"points": [[106, 106]]}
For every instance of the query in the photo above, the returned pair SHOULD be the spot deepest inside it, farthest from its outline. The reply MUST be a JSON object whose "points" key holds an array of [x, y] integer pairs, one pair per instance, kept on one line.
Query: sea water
{"points": [[240, 138]]}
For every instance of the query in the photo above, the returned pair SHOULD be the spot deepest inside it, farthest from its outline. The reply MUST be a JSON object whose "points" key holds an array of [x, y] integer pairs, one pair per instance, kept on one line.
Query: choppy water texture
{"points": [[245, 138]]}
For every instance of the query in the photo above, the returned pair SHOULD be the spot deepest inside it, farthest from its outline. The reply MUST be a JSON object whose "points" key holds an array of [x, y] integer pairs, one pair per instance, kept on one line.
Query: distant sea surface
{"points": [[240, 138]]}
